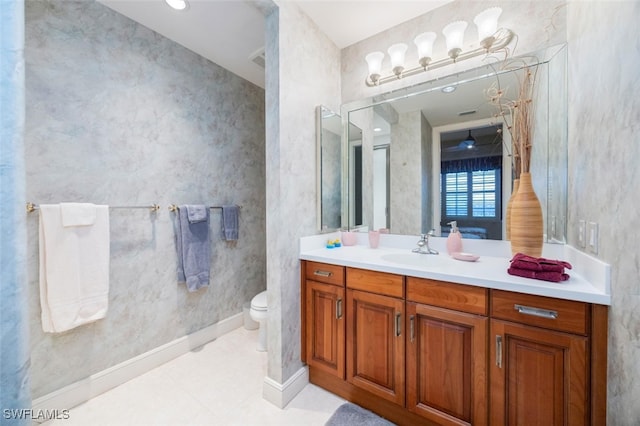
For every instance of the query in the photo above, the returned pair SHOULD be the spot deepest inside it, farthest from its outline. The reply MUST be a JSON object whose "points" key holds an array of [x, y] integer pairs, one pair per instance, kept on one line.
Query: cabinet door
{"points": [[375, 344], [538, 376], [447, 365], [325, 327]]}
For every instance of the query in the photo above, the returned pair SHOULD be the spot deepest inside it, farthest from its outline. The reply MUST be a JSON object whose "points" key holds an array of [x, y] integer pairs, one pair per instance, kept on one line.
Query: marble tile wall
{"points": [[604, 123], [406, 173], [117, 114], [303, 72]]}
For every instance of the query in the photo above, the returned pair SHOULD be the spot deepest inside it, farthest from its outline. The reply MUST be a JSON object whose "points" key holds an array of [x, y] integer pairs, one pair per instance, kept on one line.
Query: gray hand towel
{"points": [[194, 250], [197, 213], [230, 222]]}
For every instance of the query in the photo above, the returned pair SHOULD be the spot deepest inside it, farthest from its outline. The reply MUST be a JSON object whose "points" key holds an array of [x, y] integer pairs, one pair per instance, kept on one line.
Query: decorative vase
{"points": [[526, 220], [516, 184]]}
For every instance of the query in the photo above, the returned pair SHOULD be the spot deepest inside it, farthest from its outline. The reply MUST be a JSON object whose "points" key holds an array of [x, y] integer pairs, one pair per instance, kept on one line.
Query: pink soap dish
{"points": [[467, 257]]}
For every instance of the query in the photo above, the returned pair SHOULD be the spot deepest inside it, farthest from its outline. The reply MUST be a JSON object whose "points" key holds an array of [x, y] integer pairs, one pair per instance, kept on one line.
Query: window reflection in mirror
{"points": [[471, 180]]}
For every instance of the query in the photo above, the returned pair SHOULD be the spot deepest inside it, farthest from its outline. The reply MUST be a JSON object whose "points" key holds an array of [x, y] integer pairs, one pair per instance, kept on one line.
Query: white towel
{"points": [[77, 214], [74, 267]]}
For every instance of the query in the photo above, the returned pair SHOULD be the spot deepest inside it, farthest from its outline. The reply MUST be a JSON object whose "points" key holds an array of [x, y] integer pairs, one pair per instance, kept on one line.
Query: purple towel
{"points": [[555, 277], [522, 261]]}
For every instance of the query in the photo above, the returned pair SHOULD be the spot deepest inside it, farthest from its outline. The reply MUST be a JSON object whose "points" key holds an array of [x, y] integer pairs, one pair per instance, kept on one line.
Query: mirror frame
{"points": [[559, 175]]}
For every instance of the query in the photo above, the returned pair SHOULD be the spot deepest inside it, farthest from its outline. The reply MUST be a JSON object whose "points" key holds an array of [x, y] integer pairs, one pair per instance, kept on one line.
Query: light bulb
{"points": [[396, 52], [454, 33], [374, 61], [424, 42], [487, 23], [177, 4]]}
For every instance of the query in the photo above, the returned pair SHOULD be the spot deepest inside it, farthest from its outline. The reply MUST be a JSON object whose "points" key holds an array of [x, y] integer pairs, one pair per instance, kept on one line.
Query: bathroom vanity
{"points": [[430, 340]]}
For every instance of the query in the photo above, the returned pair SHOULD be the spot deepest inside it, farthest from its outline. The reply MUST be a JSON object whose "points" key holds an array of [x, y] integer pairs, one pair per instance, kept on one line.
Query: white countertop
{"points": [[489, 271]]}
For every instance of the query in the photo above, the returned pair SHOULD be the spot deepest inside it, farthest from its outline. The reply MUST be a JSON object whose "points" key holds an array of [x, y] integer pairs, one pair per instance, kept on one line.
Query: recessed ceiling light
{"points": [[377, 129], [178, 4], [448, 89]]}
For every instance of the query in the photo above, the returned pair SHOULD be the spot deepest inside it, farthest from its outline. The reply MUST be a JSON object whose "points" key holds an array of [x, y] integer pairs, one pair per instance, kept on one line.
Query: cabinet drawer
{"points": [[325, 273], [458, 297], [375, 282], [556, 314]]}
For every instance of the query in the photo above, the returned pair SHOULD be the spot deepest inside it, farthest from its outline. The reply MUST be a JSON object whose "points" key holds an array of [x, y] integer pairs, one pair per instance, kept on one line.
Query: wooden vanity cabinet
{"points": [[447, 352], [324, 325], [540, 369], [375, 336], [426, 352]]}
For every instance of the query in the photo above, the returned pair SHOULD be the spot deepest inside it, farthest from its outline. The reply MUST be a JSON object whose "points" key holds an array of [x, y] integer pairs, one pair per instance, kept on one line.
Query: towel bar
{"points": [[174, 207], [31, 207]]}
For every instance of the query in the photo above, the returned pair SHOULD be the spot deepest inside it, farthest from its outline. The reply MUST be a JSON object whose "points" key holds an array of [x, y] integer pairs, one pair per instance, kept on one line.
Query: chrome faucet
{"points": [[423, 244]]}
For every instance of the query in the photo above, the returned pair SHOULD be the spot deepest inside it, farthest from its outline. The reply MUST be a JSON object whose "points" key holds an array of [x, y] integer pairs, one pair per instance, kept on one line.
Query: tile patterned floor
{"points": [[218, 384]]}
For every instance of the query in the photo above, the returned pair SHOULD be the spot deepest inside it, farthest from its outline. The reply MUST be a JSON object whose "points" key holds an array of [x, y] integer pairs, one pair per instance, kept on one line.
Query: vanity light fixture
{"points": [[374, 60], [448, 89], [487, 23], [424, 42], [177, 4], [396, 52], [454, 33], [490, 38]]}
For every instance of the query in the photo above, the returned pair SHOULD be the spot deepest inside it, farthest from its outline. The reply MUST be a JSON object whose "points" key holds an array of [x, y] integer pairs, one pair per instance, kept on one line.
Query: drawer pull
{"points": [[322, 273], [412, 331], [536, 312], [398, 326], [338, 308], [499, 351]]}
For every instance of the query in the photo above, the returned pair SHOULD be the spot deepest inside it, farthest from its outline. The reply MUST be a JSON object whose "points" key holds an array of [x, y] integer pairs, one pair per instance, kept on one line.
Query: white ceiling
{"points": [[228, 32]]}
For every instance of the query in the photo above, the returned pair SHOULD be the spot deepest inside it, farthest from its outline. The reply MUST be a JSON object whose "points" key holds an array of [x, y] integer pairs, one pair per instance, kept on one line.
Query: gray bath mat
{"points": [[350, 415]]}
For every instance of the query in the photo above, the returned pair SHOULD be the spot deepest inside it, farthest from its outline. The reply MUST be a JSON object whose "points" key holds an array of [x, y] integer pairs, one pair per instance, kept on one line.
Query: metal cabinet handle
{"points": [[536, 312], [499, 351], [398, 326], [338, 308], [322, 273], [412, 334]]}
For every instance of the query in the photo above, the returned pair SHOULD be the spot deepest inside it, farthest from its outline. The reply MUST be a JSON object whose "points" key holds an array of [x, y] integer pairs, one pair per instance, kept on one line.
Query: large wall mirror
{"points": [[439, 151]]}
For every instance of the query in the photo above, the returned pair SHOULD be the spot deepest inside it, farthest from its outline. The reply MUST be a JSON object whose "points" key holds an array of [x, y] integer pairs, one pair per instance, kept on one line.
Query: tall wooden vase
{"points": [[516, 184], [526, 220]]}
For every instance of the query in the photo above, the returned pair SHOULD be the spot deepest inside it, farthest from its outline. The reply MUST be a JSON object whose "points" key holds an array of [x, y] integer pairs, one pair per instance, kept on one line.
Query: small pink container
{"points": [[349, 238], [374, 239]]}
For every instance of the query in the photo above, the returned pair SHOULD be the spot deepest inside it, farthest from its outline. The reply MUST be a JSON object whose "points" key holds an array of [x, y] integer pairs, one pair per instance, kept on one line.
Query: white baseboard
{"points": [[281, 394], [96, 384]]}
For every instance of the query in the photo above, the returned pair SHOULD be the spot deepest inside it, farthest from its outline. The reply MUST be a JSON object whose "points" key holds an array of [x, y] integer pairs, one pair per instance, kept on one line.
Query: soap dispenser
{"points": [[454, 240]]}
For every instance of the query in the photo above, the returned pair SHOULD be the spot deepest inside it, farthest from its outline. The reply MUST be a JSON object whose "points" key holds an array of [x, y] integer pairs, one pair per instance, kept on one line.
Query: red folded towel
{"points": [[522, 261], [552, 276]]}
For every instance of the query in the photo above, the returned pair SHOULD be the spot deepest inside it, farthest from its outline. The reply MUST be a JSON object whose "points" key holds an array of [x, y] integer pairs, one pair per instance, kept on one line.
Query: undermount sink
{"points": [[415, 259]]}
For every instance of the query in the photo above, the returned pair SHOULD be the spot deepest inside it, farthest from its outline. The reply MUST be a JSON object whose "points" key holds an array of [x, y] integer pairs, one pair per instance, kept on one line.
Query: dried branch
{"points": [[517, 113]]}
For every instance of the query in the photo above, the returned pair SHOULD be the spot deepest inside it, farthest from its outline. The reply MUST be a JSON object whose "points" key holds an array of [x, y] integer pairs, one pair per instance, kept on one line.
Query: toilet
{"points": [[258, 313]]}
